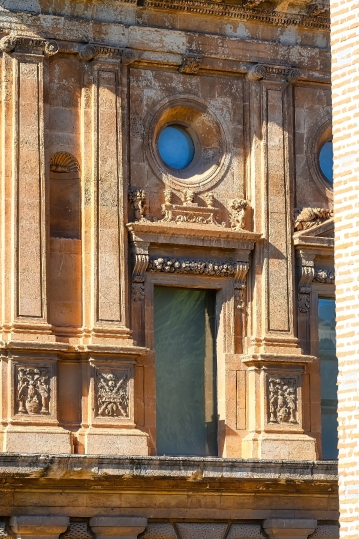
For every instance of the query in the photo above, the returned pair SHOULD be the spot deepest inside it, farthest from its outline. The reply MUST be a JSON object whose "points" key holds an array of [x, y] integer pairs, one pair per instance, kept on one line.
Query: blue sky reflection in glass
{"points": [[175, 147], [326, 160]]}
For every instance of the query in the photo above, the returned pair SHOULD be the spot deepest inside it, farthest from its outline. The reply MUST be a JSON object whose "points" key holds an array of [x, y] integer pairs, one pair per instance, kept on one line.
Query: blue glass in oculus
{"points": [[175, 147], [326, 160]]}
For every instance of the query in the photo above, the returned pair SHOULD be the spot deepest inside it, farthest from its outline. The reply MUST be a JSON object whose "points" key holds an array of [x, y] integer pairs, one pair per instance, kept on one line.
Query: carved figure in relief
{"points": [[209, 199], [188, 195], [237, 211], [33, 391], [282, 400], [112, 395], [309, 217], [138, 199]]}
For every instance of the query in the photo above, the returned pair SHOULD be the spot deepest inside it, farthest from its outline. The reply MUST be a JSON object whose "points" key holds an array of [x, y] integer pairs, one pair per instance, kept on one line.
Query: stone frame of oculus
{"points": [[319, 156], [186, 144], [326, 160]]}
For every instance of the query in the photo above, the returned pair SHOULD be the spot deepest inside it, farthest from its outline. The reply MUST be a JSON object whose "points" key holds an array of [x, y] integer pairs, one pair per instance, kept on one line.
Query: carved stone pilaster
{"points": [[47, 47], [285, 73], [191, 63], [140, 264], [306, 274], [240, 284]]}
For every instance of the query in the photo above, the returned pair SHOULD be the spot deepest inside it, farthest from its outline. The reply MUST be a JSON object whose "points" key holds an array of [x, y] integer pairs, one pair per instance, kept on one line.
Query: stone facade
{"points": [[345, 99], [93, 219]]}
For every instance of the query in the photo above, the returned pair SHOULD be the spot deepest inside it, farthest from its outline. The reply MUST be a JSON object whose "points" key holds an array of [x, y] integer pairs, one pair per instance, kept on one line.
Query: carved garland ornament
{"points": [[112, 395], [283, 400], [189, 211], [194, 267], [33, 390]]}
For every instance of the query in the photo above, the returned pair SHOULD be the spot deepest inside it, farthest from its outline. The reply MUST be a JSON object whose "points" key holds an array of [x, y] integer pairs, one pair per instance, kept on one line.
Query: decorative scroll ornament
{"points": [[283, 400], [189, 211], [191, 63], [64, 162], [324, 276], [48, 47], [94, 50], [309, 217], [306, 276], [237, 210], [318, 8], [262, 71], [33, 390], [112, 395], [138, 200]]}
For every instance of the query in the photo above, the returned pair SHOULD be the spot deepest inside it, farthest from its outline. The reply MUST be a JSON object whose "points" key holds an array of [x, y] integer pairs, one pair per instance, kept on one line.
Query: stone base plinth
{"points": [[36, 439], [116, 441], [279, 446]]}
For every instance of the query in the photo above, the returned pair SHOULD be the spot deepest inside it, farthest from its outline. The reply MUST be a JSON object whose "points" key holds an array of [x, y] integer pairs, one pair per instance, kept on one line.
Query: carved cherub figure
{"points": [[188, 195], [209, 199], [237, 210], [138, 199]]}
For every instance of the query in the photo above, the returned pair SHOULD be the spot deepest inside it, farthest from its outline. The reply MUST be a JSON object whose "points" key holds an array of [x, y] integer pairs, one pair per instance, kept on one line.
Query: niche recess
{"points": [[65, 241]]}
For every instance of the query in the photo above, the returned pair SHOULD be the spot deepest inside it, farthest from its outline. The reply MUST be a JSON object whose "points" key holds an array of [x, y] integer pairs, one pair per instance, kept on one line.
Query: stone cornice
{"points": [[169, 472], [192, 234], [238, 12]]}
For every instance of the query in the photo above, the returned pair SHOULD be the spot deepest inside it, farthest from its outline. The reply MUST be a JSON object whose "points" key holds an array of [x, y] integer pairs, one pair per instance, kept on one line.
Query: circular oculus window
{"points": [[326, 160], [186, 143], [176, 147]]}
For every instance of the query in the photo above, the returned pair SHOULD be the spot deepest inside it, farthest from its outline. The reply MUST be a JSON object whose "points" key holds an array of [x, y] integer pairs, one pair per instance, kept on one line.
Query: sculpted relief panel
{"points": [[283, 400], [112, 394], [33, 390]]}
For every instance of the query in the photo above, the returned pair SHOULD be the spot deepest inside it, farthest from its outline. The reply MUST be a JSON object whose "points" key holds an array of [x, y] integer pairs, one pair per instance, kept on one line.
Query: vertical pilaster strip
{"points": [[109, 196], [6, 199], [28, 175], [277, 234], [276, 102]]}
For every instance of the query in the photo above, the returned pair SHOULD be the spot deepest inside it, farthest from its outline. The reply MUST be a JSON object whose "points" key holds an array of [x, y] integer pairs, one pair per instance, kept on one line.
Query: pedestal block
{"points": [[287, 528], [125, 527], [37, 526]]}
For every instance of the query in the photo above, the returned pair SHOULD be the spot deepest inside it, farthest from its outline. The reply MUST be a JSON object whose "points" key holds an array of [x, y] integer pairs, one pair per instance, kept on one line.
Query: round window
{"points": [[326, 160], [175, 147]]}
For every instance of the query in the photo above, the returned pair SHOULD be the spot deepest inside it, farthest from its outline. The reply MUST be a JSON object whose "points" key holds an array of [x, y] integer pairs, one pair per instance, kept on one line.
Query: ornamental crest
{"points": [[112, 395]]}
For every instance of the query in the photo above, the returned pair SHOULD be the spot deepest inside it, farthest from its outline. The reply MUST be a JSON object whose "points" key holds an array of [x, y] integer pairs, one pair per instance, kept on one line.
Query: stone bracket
{"points": [[128, 527], [286, 528], [306, 273], [31, 526], [140, 263]]}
